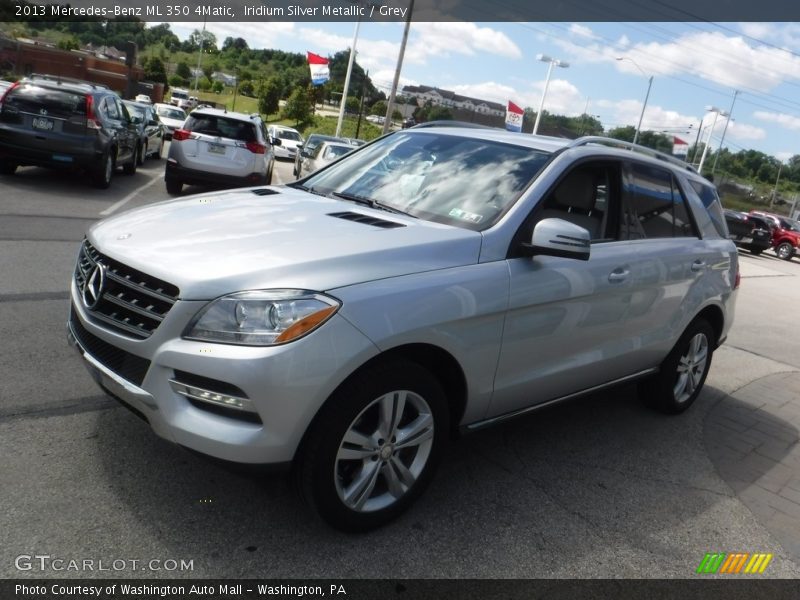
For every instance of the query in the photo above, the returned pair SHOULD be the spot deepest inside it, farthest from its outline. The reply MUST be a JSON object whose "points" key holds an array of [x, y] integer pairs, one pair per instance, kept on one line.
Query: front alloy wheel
{"points": [[785, 251], [691, 368], [384, 451], [374, 446]]}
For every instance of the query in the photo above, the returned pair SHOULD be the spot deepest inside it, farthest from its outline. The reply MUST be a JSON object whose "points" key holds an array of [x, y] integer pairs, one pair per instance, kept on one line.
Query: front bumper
{"points": [[286, 384]]}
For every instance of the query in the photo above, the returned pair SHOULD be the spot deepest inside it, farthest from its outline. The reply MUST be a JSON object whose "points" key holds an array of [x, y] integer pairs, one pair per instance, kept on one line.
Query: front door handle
{"points": [[618, 275], [698, 265]]}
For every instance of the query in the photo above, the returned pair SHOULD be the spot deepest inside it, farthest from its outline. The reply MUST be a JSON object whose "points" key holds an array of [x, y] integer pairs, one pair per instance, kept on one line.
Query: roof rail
{"points": [[60, 79], [598, 139]]}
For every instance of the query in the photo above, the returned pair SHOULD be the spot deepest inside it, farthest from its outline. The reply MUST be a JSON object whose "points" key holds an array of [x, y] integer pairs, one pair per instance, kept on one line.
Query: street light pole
{"points": [[347, 79], [722, 139], [717, 113], [646, 98], [775, 189], [553, 62]]}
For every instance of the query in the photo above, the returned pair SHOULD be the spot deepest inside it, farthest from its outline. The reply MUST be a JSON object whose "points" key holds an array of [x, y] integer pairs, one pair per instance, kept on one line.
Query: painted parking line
{"points": [[132, 195], [276, 177]]}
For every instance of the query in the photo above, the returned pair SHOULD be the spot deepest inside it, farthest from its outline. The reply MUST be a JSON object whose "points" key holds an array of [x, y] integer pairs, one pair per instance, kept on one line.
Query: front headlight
{"points": [[262, 318]]}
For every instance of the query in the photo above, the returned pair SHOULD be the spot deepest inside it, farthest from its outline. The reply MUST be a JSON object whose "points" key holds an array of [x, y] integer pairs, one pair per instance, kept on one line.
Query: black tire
{"points": [[130, 168], [7, 167], [756, 251], [324, 477], [101, 178], [142, 154], [785, 251], [174, 187], [268, 179], [668, 391]]}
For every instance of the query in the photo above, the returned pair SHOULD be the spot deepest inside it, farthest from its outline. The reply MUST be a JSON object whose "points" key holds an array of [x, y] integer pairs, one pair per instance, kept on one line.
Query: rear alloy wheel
{"points": [[374, 446], [785, 251], [174, 186], [7, 168], [102, 177], [683, 372], [130, 168]]}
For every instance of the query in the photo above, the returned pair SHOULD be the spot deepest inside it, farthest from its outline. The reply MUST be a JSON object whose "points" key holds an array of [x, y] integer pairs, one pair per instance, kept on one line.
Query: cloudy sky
{"points": [[694, 66]]}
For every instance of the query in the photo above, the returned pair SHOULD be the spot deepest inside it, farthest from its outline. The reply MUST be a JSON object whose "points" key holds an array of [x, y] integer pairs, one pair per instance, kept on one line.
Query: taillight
{"points": [[6, 93], [180, 135], [255, 147], [91, 118]]}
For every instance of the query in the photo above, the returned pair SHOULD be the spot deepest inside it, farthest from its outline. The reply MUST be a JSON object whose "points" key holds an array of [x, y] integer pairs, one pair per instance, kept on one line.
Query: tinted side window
{"points": [[708, 196], [110, 108], [654, 205]]}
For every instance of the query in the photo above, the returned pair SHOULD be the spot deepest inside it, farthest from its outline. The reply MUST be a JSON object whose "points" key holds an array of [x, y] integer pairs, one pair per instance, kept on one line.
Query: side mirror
{"points": [[136, 120], [557, 237], [275, 141], [152, 123]]}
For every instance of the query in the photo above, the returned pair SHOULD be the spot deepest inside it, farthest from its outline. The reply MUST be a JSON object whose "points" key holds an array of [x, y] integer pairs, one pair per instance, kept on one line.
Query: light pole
{"points": [[717, 112], [646, 98], [722, 139], [557, 63], [775, 189], [347, 79]]}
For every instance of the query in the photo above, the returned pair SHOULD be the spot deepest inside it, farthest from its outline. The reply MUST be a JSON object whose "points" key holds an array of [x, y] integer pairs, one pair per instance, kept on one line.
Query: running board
{"points": [[524, 411]]}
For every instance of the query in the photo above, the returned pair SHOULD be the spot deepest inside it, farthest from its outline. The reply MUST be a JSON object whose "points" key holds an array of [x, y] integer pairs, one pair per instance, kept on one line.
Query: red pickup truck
{"points": [[785, 234]]}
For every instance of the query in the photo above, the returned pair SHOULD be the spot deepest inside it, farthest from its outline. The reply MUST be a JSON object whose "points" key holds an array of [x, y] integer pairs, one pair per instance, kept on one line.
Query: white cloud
{"points": [[784, 156], [787, 121], [743, 131], [656, 118], [581, 31], [726, 59], [786, 35]]}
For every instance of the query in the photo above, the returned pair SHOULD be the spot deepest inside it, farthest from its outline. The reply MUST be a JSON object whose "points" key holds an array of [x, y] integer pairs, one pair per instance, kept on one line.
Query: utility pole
{"points": [[347, 79], [775, 189], [361, 105], [200, 56], [390, 104], [722, 139]]}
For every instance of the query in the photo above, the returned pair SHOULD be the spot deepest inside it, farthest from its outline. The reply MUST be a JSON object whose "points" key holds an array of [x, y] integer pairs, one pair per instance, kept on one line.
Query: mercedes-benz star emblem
{"points": [[93, 286]]}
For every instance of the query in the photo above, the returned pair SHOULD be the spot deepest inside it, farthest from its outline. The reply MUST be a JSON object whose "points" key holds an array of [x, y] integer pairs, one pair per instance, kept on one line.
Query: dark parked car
{"points": [[785, 234], [751, 232], [151, 130], [66, 123]]}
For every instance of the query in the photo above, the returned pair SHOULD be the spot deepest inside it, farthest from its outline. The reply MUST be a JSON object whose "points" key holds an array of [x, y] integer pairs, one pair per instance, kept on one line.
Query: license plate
{"points": [[42, 123], [216, 148]]}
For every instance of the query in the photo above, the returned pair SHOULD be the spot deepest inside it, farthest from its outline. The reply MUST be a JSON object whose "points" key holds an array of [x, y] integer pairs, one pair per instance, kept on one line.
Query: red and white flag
{"points": [[514, 116], [320, 72], [679, 147]]}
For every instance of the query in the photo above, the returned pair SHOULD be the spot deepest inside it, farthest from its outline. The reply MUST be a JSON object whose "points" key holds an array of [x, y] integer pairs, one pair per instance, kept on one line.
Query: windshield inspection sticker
{"points": [[465, 216]]}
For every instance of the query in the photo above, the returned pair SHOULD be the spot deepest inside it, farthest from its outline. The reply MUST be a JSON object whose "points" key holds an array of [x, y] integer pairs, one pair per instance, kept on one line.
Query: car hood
{"points": [[214, 244], [174, 123]]}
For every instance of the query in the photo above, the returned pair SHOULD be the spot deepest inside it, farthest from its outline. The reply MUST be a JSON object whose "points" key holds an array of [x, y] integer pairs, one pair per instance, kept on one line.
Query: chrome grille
{"points": [[132, 303]]}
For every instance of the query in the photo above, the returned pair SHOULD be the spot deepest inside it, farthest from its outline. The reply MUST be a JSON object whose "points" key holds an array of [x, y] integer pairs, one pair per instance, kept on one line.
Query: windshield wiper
{"points": [[300, 186], [371, 203]]}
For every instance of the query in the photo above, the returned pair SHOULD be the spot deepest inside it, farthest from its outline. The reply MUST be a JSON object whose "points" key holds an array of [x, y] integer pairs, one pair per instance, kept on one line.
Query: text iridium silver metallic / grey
{"points": [[499, 326]]}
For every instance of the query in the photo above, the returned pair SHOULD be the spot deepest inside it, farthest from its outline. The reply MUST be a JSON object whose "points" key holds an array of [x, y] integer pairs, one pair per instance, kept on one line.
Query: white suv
{"points": [[219, 148], [436, 281]]}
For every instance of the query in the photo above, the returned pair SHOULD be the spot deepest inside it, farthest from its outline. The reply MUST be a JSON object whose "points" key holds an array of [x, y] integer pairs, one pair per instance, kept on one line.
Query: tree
{"points": [[268, 96], [209, 41], [352, 105], [70, 43], [183, 70], [217, 87], [379, 108], [246, 88], [298, 106], [154, 70], [625, 134]]}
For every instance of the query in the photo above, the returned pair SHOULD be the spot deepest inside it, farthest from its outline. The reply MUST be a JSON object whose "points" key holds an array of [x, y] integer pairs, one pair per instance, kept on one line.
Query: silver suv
{"points": [[432, 283], [219, 147]]}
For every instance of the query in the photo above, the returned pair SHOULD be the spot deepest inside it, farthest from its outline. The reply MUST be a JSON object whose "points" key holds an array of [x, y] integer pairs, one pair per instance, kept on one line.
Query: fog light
{"points": [[202, 395]]}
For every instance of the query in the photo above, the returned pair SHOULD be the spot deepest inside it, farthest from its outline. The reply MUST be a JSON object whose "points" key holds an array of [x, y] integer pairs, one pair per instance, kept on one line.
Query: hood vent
{"points": [[265, 192], [366, 220]]}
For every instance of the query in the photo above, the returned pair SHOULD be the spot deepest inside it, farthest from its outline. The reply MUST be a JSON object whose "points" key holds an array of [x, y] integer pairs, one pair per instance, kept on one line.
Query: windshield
{"points": [[463, 181], [791, 225], [289, 135], [180, 95], [134, 110], [332, 152], [171, 113]]}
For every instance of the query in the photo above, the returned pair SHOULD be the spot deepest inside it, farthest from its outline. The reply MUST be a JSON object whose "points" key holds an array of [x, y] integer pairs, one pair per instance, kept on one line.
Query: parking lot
{"points": [[599, 487]]}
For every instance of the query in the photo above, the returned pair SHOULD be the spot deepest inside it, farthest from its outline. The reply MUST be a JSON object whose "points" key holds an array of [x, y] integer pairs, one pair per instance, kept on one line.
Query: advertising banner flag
{"points": [[514, 117], [679, 147], [320, 73]]}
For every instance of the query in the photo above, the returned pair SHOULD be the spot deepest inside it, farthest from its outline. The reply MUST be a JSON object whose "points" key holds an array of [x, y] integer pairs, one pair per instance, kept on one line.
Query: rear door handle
{"points": [[618, 275], [698, 265]]}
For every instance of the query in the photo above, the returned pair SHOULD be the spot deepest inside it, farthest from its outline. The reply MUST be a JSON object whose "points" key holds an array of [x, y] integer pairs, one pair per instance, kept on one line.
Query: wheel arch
{"points": [[715, 317], [441, 364]]}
